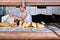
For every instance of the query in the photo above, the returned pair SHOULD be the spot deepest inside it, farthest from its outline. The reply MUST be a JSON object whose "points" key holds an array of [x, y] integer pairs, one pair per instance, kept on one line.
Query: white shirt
{"points": [[28, 17], [18, 13]]}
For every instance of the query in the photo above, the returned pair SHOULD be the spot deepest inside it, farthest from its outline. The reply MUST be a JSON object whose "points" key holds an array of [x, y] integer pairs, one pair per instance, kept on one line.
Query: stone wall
{"points": [[49, 10]]}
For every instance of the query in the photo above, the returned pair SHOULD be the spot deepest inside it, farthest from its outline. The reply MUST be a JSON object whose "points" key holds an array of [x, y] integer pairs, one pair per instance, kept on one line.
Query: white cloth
{"points": [[4, 18], [18, 13], [8, 19]]}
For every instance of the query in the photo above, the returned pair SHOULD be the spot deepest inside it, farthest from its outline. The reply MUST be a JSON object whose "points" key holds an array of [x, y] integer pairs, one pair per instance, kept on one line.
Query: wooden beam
{"points": [[30, 2]]}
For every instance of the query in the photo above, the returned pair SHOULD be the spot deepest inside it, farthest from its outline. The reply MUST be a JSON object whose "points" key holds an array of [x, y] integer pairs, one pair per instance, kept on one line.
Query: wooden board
{"points": [[27, 35]]}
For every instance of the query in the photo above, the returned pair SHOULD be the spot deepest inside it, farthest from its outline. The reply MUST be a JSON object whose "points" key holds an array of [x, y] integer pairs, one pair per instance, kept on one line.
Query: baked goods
{"points": [[24, 24], [40, 25], [21, 23], [28, 24], [13, 25], [34, 24], [4, 24]]}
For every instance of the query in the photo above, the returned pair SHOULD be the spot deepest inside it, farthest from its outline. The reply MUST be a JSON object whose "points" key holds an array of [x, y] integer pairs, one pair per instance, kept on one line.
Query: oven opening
{"points": [[46, 18]]}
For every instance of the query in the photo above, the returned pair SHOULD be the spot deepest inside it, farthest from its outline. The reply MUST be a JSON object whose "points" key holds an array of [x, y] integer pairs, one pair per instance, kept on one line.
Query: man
{"points": [[25, 15]]}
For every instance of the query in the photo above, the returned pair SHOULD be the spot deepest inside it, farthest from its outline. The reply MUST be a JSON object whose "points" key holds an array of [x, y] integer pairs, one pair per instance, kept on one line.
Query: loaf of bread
{"points": [[28, 24], [21, 23], [40, 25], [24, 24], [4, 24], [13, 25], [34, 24]]}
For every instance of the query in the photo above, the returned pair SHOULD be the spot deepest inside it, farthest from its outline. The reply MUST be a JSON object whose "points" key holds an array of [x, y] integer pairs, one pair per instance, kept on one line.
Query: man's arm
{"points": [[21, 18], [24, 15], [16, 17]]}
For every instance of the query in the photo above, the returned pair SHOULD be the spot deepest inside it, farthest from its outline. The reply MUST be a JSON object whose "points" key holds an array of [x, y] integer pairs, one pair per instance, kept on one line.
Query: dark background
{"points": [[46, 18]]}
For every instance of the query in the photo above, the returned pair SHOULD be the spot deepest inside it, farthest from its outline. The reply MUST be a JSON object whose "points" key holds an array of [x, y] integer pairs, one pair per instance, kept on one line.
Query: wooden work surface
{"points": [[25, 35], [30, 2]]}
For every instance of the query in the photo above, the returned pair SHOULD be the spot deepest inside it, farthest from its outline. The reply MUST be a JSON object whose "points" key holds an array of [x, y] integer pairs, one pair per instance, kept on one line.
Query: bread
{"points": [[4, 24], [34, 24], [40, 25], [13, 25], [21, 23], [28, 24], [24, 24]]}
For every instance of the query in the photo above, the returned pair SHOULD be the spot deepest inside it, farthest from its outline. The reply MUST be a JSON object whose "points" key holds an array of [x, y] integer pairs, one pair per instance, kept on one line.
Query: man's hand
{"points": [[18, 18], [21, 18], [11, 15]]}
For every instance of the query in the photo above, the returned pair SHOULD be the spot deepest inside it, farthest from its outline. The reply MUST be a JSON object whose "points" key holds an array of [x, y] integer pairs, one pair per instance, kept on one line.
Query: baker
{"points": [[24, 15]]}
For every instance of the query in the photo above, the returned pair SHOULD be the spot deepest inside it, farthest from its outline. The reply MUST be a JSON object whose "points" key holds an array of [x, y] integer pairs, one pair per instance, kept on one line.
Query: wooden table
{"points": [[28, 35]]}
